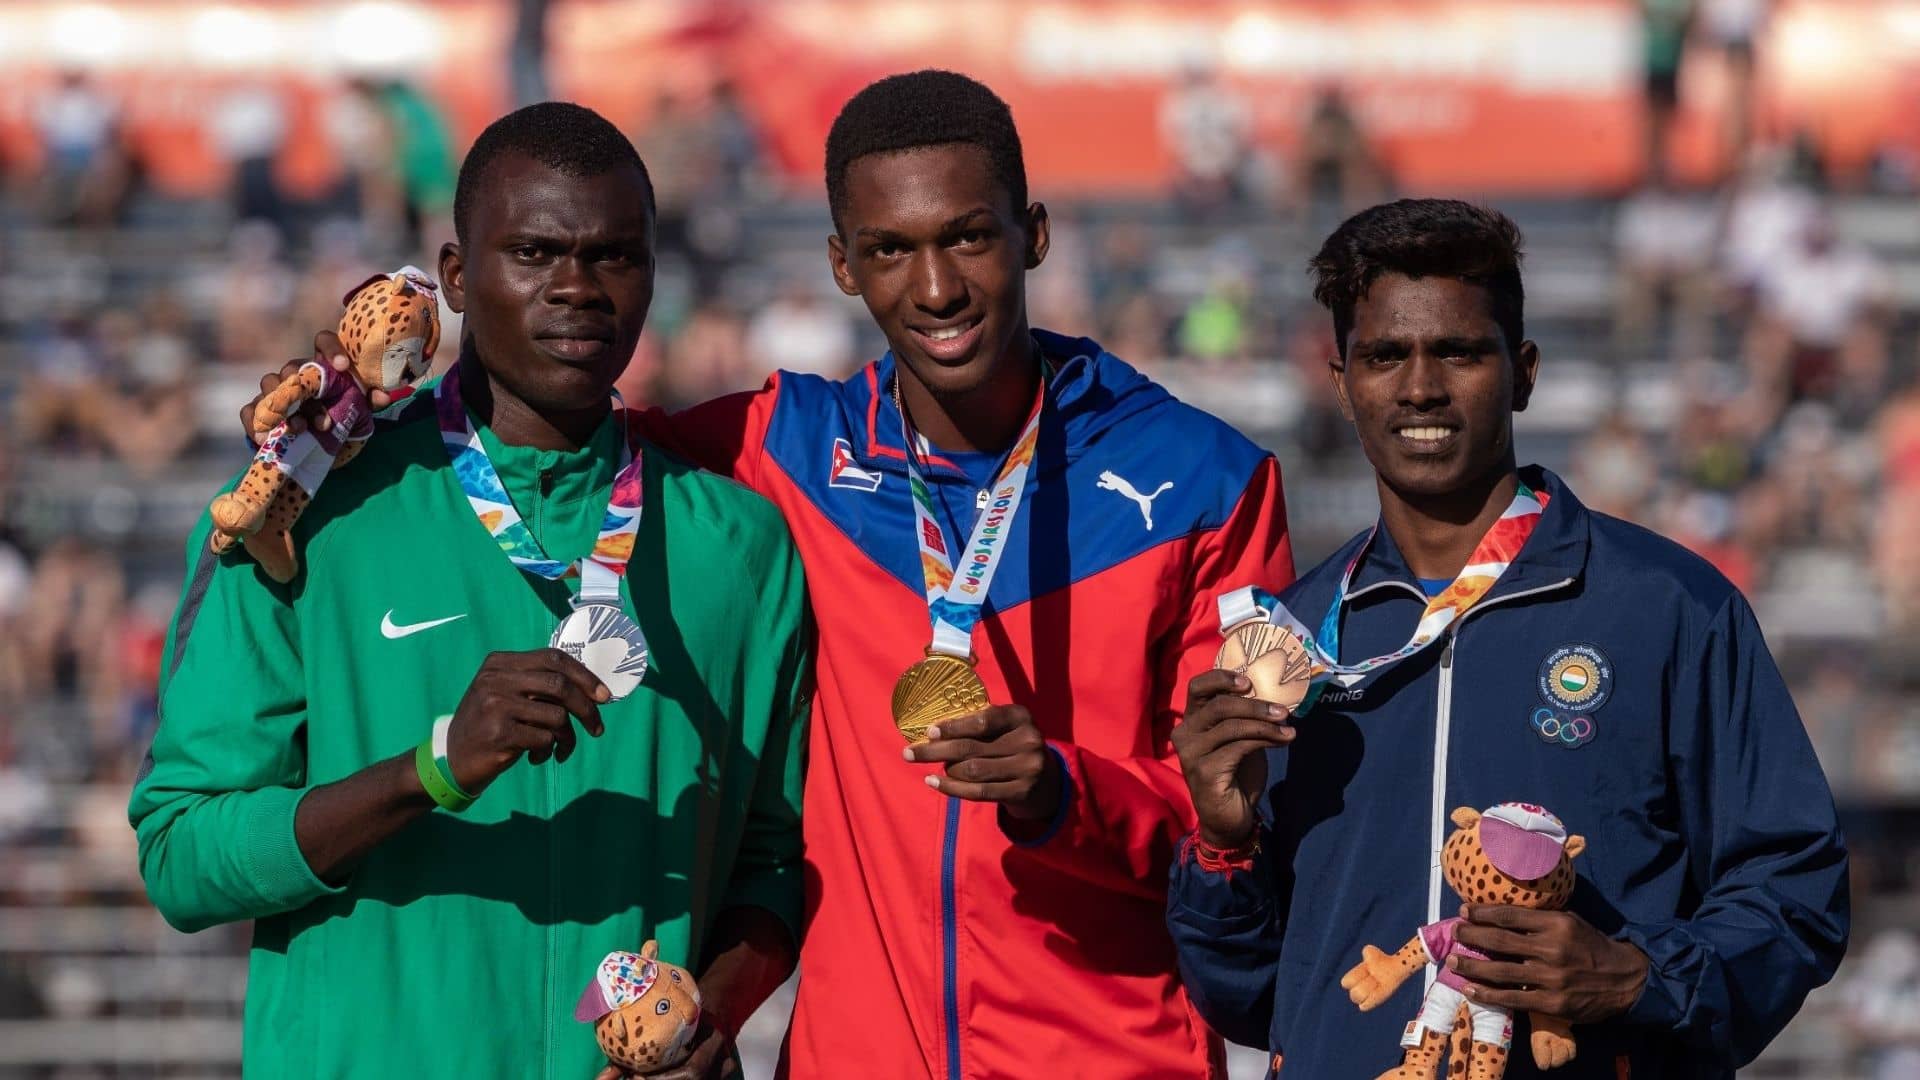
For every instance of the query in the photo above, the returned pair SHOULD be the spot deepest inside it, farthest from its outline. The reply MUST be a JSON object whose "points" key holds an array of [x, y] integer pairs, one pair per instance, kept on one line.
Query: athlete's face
{"points": [[554, 281], [1429, 384], [934, 246]]}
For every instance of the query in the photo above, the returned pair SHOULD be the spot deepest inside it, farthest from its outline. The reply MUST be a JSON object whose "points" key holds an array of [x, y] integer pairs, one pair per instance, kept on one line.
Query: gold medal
{"points": [[938, 688], [1271, 658]]}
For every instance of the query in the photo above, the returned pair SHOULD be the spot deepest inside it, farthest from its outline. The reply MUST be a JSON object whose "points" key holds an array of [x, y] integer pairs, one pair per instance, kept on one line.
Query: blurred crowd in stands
{"points": [[1733, 366]]}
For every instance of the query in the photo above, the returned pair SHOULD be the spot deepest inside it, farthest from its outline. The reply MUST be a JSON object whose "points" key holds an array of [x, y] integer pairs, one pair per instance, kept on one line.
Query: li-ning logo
{"points": [[1341, 697], [982, 553], [843, 473], [1114, 482]]}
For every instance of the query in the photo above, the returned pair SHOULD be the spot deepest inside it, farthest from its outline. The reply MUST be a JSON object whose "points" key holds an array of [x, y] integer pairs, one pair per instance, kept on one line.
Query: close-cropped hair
{"points": [[568, 138], [919, 109], [1423, 238]]}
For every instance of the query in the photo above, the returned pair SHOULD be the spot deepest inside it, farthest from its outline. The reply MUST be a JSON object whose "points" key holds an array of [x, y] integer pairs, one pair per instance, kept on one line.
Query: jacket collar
{"points": [[1555, 553], [1089, 391]]}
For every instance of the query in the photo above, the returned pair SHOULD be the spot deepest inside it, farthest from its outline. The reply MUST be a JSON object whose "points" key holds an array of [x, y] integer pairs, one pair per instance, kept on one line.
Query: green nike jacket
{"points": [[459, 946]]}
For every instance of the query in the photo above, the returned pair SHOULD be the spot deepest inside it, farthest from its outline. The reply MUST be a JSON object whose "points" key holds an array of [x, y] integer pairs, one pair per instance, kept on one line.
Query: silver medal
{"points": [[609, 644]]}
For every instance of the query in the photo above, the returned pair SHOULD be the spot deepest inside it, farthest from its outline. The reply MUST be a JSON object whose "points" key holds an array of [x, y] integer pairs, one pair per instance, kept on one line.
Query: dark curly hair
{"points": [[924, 108], [572, 139], [1422, 238]]}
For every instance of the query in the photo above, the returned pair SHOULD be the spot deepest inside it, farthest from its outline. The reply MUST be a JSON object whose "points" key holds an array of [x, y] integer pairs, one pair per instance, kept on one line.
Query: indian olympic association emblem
{"points": [[1576, 678], [1574, 681]]}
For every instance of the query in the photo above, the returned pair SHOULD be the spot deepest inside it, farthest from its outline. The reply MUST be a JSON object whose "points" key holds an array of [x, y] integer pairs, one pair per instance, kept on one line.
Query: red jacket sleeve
{"points": [[1122, 819], [727, 435]]}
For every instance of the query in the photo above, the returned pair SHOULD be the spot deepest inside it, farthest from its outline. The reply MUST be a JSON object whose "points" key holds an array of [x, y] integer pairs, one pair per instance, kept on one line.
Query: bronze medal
{"points": [[1272, 658], [935, 689]]}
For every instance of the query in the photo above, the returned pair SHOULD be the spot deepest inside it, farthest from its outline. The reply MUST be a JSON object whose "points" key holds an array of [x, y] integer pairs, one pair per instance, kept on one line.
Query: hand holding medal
{"points": [[943, 684], [598, 633], [1287, 665], [992, 753]]}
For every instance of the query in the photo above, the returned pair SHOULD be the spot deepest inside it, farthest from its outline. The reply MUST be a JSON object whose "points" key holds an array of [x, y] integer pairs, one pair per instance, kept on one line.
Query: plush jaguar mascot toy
{"points": [[390, 331], [644, 1011], [1517, 854]]}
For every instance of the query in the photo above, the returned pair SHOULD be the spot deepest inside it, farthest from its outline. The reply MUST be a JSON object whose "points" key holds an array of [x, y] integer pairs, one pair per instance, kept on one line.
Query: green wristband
{"points": [[430, 761]]}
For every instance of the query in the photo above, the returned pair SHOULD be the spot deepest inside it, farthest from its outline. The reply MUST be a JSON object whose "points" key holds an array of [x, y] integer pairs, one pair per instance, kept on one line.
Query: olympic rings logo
{"points": [[1568, 730]]}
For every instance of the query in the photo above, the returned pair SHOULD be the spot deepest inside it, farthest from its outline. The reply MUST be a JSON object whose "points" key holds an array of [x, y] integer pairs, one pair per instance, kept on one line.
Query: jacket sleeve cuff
{"points": [[274, 865], [1663, 997], [1215, 899], [1030, 834]]}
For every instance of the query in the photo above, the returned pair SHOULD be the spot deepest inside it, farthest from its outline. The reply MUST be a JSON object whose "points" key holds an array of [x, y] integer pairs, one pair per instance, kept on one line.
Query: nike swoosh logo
{"points": [[391, 631]]}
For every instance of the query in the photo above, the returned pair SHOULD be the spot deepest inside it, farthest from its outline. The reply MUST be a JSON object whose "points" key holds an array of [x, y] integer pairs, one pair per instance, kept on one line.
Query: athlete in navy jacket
{"points": [[1608, 675]]}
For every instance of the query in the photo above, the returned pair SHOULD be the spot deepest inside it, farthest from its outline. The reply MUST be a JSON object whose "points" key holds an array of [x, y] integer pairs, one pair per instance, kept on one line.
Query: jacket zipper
{"points": [[1442, 736], [950, 939], [540, 507], [553, 922]]}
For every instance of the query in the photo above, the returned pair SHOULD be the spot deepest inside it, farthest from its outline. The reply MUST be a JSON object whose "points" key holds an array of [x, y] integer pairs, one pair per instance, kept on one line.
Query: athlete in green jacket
{"points": [[395, 938]]}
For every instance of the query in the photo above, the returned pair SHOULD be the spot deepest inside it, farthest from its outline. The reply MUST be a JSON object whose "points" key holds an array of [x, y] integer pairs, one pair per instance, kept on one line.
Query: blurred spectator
{"points": [[248, 127], [736, 145], [707, 358], [1206, 126], [1337, 166], [88, 173], [1896, 552], [150, 417], [1882, 1003], [800, 332], [1766, 212], [78, 597], [696, 153], [423, 159], [335, 265], [251, 295], [1703, 521], [15, 588], [62, 400], [1664, 25], [362, 138], [1215, 327], [1821, 322], [527, 55], [1663, 255], [1615, 469], [1732, 28]]}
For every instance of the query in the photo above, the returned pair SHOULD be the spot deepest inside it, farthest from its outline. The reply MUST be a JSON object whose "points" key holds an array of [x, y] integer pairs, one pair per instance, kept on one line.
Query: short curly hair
{"points": [[571, 139], [924, 108], [1423, 238]]}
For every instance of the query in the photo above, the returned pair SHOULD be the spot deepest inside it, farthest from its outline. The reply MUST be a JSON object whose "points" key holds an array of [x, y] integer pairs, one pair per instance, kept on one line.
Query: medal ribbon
{"points": [[954, 600], [601, 570], [1490, 559]]}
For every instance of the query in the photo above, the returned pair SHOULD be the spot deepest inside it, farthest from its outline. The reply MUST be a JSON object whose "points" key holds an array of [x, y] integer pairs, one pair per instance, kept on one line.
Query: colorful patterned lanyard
{"points": [[954, 601], [1490, 559], [600, 571]]}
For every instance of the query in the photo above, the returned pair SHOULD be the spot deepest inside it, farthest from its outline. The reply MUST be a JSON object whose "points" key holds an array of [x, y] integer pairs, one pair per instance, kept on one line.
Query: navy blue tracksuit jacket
{"points": [[1711, 841]]}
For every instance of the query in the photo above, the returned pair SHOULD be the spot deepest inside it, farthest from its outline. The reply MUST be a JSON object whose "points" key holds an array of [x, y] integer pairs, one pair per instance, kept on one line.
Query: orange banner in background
{"points": [[1477, 95]]}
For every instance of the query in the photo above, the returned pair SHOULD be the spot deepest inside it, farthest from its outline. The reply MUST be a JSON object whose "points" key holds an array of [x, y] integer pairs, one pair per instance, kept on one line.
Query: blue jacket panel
{"points": [[1711, 839]]}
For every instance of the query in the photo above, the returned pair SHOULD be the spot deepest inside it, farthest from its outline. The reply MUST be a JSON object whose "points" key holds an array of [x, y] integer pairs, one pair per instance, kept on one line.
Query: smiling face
{"points": [[554, 280], [1430, 386], [938, 252]]}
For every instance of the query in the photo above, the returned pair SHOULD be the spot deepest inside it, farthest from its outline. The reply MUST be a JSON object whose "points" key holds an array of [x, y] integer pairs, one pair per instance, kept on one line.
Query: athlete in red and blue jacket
{"points": [[988, 903], [1008, 923]]}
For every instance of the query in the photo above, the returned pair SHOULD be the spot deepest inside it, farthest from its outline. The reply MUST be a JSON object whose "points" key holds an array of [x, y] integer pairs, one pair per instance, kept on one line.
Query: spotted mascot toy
{"points": [[644, 1011], [1514, 853], [390, 331]]}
